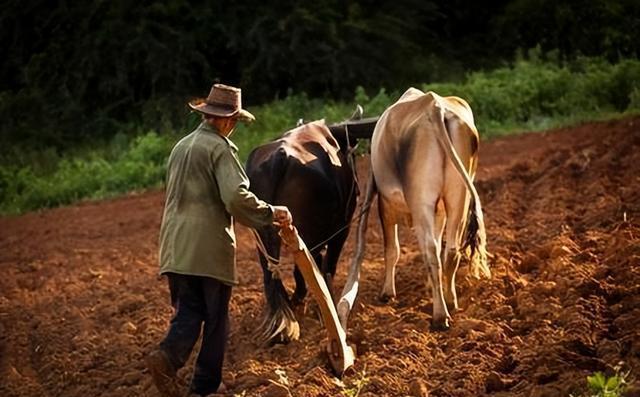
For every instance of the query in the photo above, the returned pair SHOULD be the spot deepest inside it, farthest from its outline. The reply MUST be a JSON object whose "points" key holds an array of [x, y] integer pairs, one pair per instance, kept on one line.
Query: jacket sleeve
{"points": [[233, 183]]}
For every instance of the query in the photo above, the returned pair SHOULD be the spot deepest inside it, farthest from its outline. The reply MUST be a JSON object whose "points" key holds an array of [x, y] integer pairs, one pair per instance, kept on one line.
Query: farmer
{"points": [[207, 189]]}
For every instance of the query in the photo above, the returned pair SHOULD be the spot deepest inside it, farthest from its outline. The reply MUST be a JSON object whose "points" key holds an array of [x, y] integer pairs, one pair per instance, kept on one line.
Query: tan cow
{"points": [[424, 154]]}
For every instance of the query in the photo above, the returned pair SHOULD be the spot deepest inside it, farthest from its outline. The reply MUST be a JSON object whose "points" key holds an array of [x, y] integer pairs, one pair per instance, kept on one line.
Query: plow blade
{"points": [[341, 355]]}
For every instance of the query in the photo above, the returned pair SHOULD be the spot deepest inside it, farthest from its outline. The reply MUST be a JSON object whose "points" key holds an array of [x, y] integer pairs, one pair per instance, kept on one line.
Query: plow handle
{"points": [[341, 355]]}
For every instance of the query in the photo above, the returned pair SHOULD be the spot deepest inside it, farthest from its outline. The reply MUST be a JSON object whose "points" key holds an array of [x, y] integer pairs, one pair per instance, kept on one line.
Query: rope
{"points": [[273, 264], [362, 212]]}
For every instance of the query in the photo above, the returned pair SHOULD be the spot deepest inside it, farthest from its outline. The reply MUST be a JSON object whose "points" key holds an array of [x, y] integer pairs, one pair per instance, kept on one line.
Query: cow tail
{"points": [[475, 237]]}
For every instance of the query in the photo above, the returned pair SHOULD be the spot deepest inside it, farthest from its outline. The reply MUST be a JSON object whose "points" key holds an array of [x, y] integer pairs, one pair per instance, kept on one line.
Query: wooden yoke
{"points": [[341, 355]]}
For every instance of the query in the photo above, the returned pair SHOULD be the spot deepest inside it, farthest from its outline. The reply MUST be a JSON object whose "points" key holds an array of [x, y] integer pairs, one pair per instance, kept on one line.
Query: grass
{"points": [[93, 176], [532, 94]]}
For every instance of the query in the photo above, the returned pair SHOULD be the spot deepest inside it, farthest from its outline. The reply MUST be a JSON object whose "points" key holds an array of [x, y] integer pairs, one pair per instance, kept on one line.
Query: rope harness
{"points": [[273, 264]]}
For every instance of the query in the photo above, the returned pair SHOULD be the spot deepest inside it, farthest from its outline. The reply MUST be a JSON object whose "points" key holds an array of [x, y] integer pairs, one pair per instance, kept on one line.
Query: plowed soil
{"points": [[80, 302]]}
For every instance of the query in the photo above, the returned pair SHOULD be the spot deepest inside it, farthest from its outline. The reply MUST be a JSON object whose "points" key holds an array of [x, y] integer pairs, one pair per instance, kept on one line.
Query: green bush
{"points": [[93, 175], [534, 94]]}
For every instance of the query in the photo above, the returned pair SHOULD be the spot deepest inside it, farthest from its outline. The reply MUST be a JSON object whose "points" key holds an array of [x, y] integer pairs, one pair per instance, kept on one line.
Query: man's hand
{"points": [[281, 216]]}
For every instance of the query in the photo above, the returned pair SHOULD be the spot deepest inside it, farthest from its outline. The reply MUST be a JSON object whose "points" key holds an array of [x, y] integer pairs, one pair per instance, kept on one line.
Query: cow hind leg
{"points": [[280, 324], [429, 240], [451, 261], [440, 219], [456, 204], [391, 249]]}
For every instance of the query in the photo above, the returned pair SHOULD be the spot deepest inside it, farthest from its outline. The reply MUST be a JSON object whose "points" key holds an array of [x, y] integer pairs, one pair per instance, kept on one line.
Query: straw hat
{"points": [[223, 101]]}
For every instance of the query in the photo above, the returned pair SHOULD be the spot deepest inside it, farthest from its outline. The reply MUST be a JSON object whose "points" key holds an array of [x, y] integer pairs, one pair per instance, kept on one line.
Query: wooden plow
{"points": [[341, 355]]}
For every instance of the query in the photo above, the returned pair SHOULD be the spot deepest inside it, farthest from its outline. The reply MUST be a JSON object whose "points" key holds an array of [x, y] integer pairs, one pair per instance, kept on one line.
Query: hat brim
{"points": [[205, 108]]}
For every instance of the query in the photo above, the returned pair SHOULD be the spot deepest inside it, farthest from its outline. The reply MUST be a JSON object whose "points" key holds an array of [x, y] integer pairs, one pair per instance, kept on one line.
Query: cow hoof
{"points": [[386, 298], [440, 326], [295, 301], [279, 339], [298, 296], [452, 308]]}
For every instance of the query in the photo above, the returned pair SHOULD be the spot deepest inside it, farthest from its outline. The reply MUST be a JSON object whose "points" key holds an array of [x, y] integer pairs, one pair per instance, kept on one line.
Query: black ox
{"points": [[310, 169]]}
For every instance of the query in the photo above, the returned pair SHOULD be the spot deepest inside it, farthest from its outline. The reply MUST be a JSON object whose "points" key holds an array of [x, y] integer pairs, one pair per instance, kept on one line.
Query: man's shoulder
{"points": [[211, 138]]}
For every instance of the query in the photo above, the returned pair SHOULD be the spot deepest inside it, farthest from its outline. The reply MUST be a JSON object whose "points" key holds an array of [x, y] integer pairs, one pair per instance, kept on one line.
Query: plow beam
{"points": [[341, 355]]}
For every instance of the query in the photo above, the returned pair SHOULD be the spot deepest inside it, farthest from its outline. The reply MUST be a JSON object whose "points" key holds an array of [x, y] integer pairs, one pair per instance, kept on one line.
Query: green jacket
{"points": [[206, 189]]}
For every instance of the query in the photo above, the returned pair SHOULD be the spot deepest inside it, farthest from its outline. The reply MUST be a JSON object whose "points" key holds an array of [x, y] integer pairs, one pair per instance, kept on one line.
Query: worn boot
{"points": [[163, 373]]}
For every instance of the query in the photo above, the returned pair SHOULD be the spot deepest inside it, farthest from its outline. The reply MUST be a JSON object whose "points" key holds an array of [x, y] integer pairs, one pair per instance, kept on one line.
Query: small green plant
{"points": [[604, 386], [357, 385], [601, 385]]}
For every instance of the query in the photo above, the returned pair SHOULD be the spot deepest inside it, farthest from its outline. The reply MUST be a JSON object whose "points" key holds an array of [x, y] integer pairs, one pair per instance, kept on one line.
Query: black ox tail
{"points": [[266, 167]]}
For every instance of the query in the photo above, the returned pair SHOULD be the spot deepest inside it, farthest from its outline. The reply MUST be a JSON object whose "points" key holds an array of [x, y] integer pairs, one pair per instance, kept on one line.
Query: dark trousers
{"points": [[198, 300]]}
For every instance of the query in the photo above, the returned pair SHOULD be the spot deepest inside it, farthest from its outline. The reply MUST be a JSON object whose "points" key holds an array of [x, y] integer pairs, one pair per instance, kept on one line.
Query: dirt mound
{"points": [[80, 303]]}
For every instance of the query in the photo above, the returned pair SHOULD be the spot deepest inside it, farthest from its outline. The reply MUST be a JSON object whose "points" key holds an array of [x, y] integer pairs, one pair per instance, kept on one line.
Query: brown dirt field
{"points": [[80, 303]]}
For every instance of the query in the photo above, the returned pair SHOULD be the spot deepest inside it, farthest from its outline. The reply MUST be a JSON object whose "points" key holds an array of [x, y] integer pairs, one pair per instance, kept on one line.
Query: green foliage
{"points": [[77, 75], [572, 27], [74, 71], [536, 92], [378, 103], [92, 176], [356, 385], [601, 385]]}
